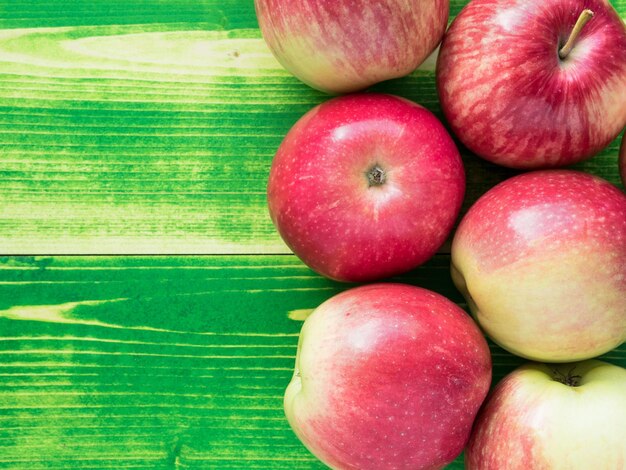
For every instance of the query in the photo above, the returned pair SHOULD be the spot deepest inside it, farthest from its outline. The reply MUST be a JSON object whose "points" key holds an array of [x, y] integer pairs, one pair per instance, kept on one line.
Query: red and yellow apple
{"points": [[541, 259], [366, 186], [516, 93], [556, 417], [339, 46], [387, 376]]}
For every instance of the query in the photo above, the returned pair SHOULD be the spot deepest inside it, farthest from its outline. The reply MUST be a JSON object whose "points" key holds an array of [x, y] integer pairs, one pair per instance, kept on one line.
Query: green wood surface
{"points": [[142, 126], [162, 362], [148, 127]]}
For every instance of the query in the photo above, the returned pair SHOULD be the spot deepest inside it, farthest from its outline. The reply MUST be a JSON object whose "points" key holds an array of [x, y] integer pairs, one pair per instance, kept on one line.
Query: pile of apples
{"points": [[366, 186]]}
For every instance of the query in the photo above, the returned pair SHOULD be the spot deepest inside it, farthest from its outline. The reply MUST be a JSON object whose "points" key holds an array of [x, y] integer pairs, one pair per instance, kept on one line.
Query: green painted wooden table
{"points": [[147, 127]]}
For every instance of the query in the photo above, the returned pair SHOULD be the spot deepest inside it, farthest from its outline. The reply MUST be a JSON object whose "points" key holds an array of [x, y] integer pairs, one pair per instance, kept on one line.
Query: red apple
{"points": [[622, 160], [387, 376], [366, 186], [541, 259], [557, 417], [340, 46], [514, 95]]}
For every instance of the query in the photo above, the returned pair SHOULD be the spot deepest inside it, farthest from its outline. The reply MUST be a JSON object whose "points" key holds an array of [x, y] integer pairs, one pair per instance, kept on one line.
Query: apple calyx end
{"points": [[583, 19], [570, 379], [376, 176]]}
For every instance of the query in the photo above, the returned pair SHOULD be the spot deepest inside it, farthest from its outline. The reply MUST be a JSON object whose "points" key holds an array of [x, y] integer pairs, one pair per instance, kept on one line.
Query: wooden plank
{"points": [[162, 362], [128, 126], [218, 14]]}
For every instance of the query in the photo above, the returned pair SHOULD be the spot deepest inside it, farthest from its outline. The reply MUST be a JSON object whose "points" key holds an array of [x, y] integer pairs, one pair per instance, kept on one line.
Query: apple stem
{"points": [[571, 379], [584, 17], [376, 176]]}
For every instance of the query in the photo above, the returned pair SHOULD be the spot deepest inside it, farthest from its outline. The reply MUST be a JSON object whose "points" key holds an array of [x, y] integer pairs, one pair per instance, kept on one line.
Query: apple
{"points": [[534, 83], [557, 417], [622, 160], [387, 376], [340, 46], [541, 259], [366, 186]]}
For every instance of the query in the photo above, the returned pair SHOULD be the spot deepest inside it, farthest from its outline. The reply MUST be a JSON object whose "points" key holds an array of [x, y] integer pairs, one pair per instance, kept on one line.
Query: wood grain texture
{"points": [[149, 127], [162, 362]]}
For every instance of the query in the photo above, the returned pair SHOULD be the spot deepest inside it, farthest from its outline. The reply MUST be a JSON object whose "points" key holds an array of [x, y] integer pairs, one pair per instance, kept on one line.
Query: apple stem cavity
{"points": [[584, 17], [570, 379], [376, 176]]}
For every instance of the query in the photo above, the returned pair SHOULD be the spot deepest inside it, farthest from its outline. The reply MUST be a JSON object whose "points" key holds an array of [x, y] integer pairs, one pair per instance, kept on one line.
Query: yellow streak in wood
{"points": [[6, 34], [68, 416], [144, 343], [179, 48], [174, 406], [300, 314], [157, 268], [57, 313], [172, 54], [21, 352], [61, 314], [136, 245], [28, 283]]}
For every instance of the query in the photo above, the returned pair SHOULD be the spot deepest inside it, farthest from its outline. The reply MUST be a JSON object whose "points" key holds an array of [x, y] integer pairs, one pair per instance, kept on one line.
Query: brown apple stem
{"points": [[376, 176], [584, 17], [569, 379]]}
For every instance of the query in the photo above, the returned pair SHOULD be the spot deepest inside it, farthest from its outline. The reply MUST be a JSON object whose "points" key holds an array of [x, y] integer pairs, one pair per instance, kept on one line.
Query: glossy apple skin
{"points": [[322, 204], [387, 376], [511, 100], [541, 259], [533, 421], [622, 160], [340, 46]]}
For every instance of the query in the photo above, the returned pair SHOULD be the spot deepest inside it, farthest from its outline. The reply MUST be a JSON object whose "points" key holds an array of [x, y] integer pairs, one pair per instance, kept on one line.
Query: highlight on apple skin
{"points": [[541, 259], [387, 376], [341, 46], [512, 99], [366, 186], [557, 417]]}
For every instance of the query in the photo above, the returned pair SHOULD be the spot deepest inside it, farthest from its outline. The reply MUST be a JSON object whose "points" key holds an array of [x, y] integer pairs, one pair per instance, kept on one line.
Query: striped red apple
{"points": [[387, 376], [340, 46], [366, 186], [534, 83]]}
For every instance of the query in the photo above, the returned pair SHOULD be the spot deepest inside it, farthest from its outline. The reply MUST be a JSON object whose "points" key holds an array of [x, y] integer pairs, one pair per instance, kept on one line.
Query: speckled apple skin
{"points": [[530, 421], [323, 207], [340, 46], [541, 259], [511, 100], [387, 376]]}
